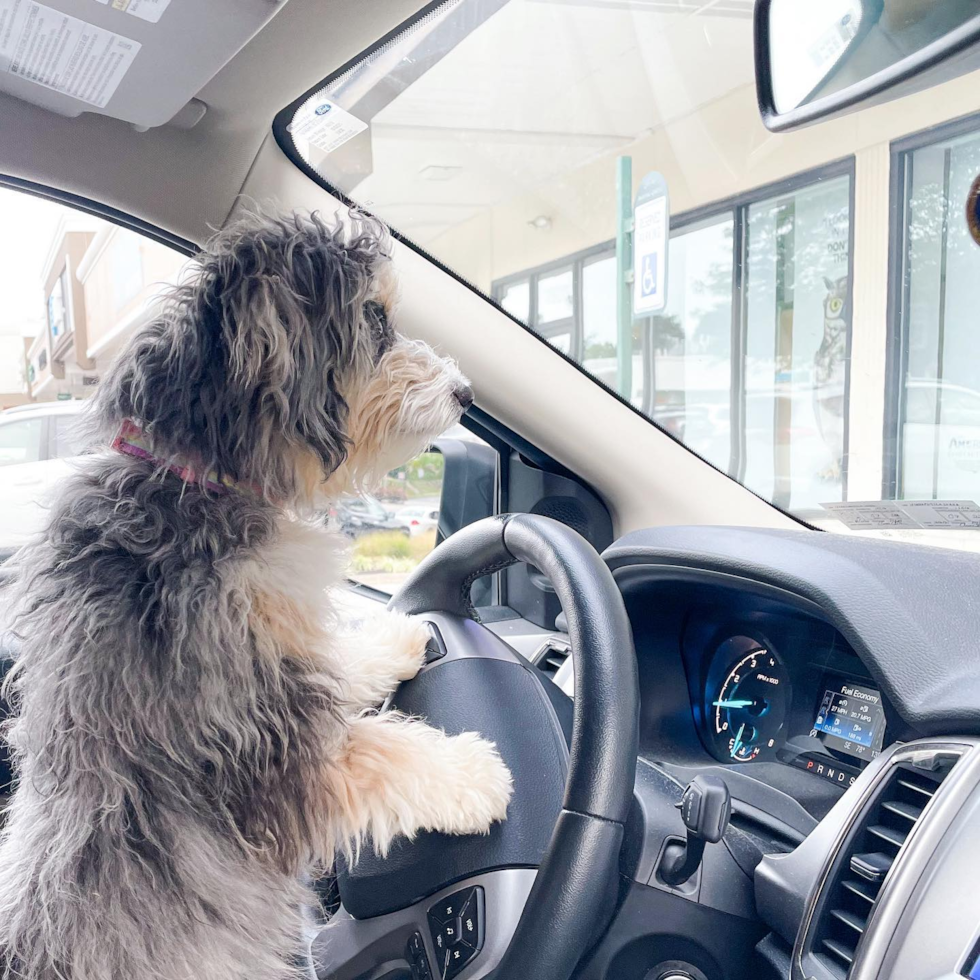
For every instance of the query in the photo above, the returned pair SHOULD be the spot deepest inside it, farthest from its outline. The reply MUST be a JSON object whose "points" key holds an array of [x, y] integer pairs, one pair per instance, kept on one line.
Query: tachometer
{"points": [[747, 699]]}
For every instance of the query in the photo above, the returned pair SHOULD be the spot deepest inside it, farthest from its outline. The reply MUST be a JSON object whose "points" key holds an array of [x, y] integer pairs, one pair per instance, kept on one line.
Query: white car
{"points": [[419, 518], [37, 444], [941, 441]]}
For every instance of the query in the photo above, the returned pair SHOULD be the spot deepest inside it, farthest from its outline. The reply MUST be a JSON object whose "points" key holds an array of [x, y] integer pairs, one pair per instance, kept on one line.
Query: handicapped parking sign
{"points": [[648, 277], [651, 225]]}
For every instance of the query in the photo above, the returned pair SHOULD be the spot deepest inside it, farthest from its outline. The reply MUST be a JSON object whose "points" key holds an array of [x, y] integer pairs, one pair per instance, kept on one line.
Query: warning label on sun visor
{"points": [[61, 52], [151, 10], [325, 125]]}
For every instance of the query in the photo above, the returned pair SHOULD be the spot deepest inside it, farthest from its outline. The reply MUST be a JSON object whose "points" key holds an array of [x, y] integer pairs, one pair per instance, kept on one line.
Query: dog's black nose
{"points": [[464, 395]]}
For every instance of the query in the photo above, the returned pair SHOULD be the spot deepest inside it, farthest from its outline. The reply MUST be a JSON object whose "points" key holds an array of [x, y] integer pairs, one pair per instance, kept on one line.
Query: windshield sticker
{"points": [[942, 513], [870, 515], [151, 10], [874, 515], [325, 125], [61, 52]]}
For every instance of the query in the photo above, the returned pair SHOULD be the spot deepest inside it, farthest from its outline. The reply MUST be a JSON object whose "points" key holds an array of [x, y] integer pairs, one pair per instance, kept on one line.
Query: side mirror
{"points": [[468, 494], [815, 59]]}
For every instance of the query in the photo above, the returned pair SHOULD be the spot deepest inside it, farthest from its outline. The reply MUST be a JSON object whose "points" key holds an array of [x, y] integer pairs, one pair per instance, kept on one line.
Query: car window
{"points": [[798, 309], [64, 437], [74, 289], [391, 533], [20, 441]]}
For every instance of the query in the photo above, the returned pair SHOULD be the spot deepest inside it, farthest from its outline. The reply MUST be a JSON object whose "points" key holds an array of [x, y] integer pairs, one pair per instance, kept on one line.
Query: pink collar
{"points": [[133, 441]]}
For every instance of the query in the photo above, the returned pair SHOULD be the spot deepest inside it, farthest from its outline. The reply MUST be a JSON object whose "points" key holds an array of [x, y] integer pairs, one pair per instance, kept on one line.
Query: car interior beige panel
{"points": [[645, 477], [185, 179], [185, 48]]}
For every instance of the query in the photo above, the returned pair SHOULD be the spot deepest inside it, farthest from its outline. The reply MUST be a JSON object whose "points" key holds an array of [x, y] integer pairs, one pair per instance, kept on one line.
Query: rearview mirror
{"points": [[820, 58]]}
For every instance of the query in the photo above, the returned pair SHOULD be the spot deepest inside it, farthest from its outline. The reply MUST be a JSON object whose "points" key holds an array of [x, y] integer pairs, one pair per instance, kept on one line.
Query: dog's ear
{"points": [[248, 365]]}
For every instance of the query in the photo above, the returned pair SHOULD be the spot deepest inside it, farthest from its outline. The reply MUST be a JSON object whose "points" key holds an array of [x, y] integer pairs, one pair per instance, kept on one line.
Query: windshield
{"points": [[800, 310]]}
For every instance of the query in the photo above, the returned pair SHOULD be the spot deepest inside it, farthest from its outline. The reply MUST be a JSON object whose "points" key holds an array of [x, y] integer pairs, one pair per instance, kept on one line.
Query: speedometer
{"points": [[747, 699]]}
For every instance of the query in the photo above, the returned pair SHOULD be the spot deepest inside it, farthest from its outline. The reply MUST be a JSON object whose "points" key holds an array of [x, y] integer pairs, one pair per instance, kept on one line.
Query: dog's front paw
{"points": [[400, 640], [477, 784], [414, 636]]}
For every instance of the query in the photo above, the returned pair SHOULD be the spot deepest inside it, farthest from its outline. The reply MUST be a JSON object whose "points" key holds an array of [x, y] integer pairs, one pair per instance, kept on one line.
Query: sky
{"points": [[27, 225]]}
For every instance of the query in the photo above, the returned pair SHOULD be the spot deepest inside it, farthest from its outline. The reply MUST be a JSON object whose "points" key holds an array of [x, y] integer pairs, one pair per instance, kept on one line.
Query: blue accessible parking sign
{"points": [[651, 224]]}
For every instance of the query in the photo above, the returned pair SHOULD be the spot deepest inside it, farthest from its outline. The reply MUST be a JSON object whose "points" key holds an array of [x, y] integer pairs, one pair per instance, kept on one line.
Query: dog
{"points": [[193, 728]]}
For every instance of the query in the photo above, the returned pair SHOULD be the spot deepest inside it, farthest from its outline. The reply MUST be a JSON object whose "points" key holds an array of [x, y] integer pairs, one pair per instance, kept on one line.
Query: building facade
{"points": [[100, 283]]}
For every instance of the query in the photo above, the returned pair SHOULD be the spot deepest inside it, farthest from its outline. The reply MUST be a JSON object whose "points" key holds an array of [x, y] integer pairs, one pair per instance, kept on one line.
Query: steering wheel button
{"points": [[471, 920], [419, 962], [444, 934], [456, 959], [449, 908]]}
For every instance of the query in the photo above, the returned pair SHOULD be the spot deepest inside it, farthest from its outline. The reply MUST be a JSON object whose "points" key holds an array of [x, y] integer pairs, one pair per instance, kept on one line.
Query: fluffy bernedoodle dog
{"points": [[193, 729]]}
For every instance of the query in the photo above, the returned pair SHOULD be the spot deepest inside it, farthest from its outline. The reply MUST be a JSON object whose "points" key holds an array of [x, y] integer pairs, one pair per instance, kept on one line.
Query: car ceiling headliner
{"points": [[185, 181]]}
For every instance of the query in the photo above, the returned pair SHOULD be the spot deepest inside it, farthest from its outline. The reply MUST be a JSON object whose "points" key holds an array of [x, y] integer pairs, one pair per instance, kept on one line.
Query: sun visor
{"points": [[140, 61]]}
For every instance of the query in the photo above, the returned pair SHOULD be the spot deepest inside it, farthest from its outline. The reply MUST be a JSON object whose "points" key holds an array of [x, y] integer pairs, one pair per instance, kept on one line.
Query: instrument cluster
{"points": [[806, 700]]}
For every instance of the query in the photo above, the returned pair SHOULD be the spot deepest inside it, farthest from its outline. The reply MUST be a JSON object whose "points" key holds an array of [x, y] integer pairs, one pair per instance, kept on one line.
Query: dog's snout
{"points": [[464, 395]]}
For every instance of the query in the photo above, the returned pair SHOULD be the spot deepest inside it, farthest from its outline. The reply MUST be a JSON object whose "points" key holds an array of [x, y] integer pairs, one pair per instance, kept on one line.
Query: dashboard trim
{"points": [[652, 572], [888, 599], [913, 863], [911, 859]]}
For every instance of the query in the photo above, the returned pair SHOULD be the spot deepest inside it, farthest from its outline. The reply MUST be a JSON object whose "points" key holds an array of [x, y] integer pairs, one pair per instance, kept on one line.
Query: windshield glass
{"points": [[800, 310]]}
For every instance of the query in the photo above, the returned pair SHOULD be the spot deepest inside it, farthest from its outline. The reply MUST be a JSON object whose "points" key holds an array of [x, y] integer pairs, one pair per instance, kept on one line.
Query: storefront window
{"points": [[797, 317], [516, 300], [600, 329], [57, 310], [771, 412], [555, 297], [692, 340], [939, 433]]}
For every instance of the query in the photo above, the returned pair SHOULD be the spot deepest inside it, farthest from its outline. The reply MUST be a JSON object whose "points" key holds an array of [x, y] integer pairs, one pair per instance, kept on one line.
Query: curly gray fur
{"points": [[155, 832]]}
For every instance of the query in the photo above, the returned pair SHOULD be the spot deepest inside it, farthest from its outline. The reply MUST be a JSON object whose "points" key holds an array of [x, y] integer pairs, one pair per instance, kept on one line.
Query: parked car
{"points": [[940, 440], [359, 515], [37, 444], [420, 518]]}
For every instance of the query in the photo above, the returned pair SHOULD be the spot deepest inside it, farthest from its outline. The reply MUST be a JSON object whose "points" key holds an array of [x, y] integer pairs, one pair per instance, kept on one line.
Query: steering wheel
{"points": [[527, 901]]}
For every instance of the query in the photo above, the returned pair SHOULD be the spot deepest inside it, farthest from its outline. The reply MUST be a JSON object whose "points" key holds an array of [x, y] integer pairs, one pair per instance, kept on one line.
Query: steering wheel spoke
{"points": [[460, 933]]}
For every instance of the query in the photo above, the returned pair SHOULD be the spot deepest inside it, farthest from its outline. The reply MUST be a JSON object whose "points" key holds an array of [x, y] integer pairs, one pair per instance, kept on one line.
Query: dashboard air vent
{"points": [[853, 888], [552, 655]]}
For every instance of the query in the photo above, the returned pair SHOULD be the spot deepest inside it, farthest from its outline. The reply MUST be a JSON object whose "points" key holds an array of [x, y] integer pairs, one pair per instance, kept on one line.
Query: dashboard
{"points": [[756, 685], [787, 664], [831, 683]]}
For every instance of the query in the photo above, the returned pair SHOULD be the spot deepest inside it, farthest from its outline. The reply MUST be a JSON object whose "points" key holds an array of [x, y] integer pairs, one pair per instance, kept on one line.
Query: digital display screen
{"points": [[850, 719], [972, 969]]}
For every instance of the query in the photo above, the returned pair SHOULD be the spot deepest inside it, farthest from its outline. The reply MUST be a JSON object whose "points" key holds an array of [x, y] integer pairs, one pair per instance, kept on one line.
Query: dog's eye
{"points": [[376, 314], [384, 336]]}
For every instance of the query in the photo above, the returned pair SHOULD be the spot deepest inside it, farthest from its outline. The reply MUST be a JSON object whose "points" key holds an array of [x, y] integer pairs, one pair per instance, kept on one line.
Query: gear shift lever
{"points": [[706, 809]]}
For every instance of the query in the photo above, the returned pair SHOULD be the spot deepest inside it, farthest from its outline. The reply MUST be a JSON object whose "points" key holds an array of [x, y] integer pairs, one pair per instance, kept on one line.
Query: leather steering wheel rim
{"points": [[558, 920]]}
